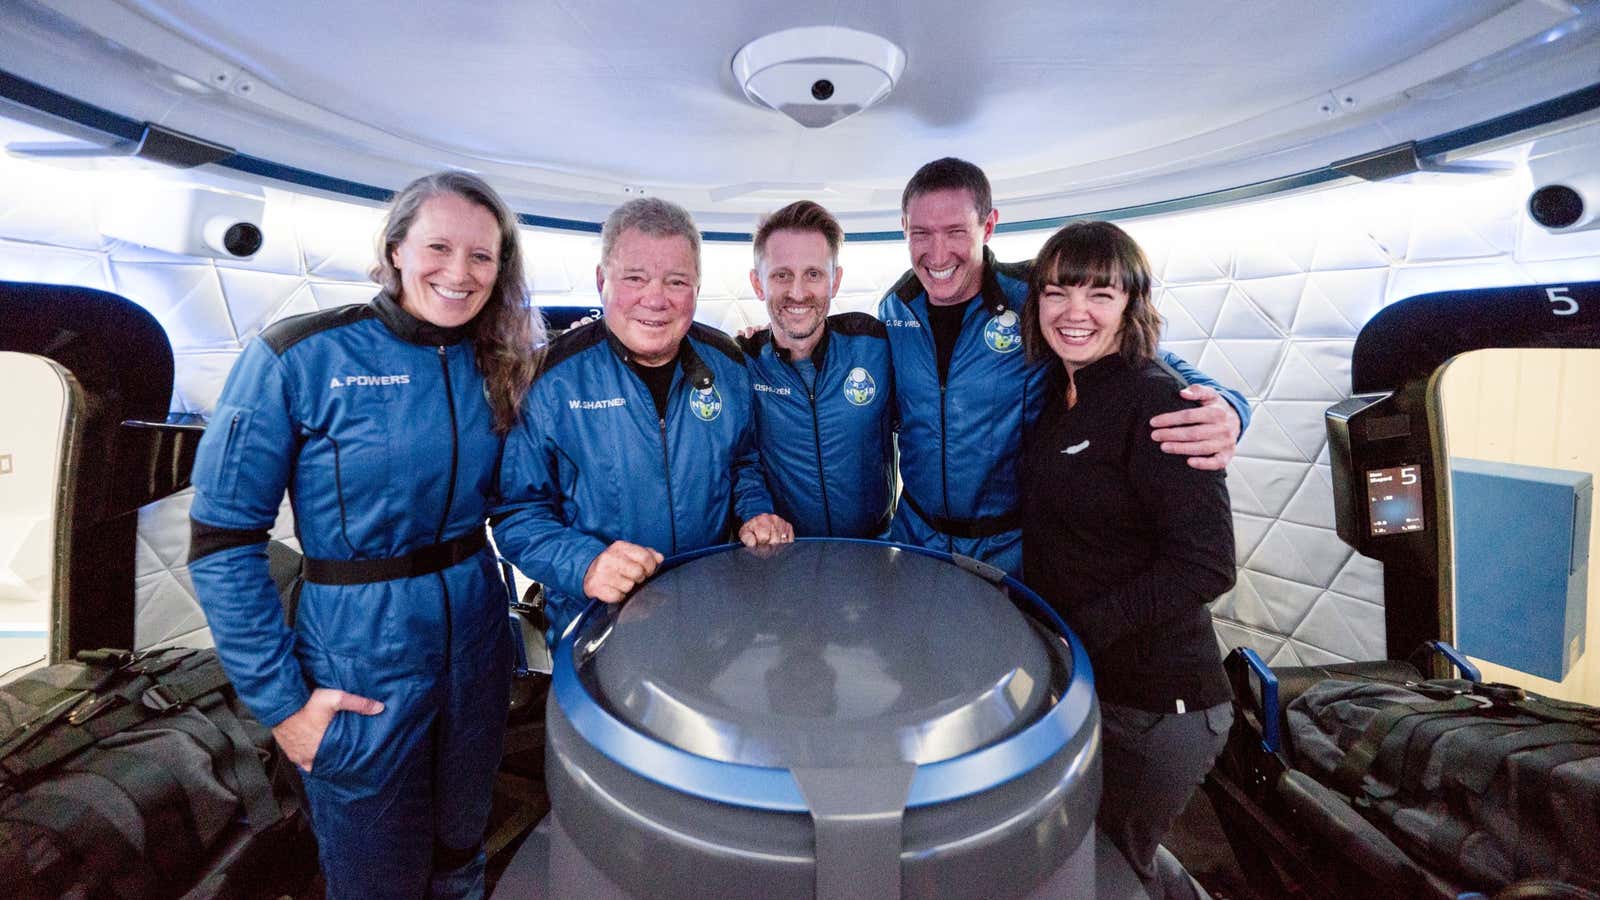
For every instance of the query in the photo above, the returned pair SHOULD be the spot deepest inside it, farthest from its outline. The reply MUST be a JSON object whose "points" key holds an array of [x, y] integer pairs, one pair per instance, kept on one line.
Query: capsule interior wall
{"points": [[1267, 297]]}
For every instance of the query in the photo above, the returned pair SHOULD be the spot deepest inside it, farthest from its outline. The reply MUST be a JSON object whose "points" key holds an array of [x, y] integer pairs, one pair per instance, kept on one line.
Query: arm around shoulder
{"points": [[1208, 433]]}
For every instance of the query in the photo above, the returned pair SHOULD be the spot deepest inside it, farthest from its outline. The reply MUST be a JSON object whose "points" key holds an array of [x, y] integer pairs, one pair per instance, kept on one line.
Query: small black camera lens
{"points": [[242, 239], [822, 89], [1555, 206]]}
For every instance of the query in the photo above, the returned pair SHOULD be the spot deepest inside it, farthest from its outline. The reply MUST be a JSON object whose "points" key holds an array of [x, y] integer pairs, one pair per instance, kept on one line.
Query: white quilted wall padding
{"points": [[1267, 297]]}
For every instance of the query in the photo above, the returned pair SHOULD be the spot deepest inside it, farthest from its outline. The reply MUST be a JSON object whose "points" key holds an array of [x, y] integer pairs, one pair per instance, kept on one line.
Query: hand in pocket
{"points": [[301, 734]]}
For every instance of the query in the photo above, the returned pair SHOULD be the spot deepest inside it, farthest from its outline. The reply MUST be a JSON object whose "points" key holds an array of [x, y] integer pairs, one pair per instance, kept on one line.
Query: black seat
{"points": [[119, 354]]}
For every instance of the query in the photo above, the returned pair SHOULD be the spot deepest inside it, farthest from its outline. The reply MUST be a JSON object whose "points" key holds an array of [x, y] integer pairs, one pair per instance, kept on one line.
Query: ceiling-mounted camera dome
{"points": [[818, 75]]}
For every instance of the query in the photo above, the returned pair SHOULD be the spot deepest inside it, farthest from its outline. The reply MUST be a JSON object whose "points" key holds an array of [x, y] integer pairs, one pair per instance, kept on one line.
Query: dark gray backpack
{"points": [[137, 775], [1483, 783]]}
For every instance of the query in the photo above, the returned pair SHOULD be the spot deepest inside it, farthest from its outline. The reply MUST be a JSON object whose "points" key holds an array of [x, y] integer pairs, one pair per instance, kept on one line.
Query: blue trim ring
{"points": [[770, 788]]}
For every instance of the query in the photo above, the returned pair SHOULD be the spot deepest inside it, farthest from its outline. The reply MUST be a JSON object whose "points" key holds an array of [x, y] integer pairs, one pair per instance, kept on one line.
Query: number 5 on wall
{"points": [[1568, 306]]}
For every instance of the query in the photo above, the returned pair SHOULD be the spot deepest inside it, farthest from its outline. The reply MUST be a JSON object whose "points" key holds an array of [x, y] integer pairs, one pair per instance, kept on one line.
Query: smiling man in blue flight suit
{"points": [[637, 440], [965, 394], [824, 390]]}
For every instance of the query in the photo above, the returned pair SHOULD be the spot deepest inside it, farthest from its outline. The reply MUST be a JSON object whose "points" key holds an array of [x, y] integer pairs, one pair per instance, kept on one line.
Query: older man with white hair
{"points": [[636, 440]]}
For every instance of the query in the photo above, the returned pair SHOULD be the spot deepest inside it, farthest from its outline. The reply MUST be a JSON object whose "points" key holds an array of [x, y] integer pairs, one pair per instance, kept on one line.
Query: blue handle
{"points": [[1269, 699], [1468, 670]]}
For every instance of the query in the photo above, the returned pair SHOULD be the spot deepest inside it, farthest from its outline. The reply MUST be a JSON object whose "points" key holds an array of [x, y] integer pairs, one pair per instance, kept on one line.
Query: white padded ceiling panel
{"points": [[1244, 318], [1202, 259], [186, 299], [1212, 360], [1180, 327], [127, 251], [1301, 422], [1338, 302], [165, 604], [1266, 485], [1203, 302], [167, 612], [331, 295], [1409, 281], [1312, 503], [1276, 296], [257, 299], [50, 265], [1362, 577], [1558, 270], [1535, 245], [1339, 248], [1268, 439], [198, 379], [337, 240]]}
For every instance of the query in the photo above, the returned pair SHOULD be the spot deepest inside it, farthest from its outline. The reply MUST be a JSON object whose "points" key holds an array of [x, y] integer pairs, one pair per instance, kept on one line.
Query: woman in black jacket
{"points": [[1128, 543]]}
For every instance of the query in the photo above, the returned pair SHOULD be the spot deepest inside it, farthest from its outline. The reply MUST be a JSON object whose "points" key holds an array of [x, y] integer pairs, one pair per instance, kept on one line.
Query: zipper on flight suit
{"points": [[944, 436], [666, 474], [661, 431], [822, 479], [450, 495]]}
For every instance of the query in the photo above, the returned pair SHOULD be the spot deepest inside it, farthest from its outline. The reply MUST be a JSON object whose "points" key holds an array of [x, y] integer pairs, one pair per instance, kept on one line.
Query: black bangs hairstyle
{"points": [[1095, 254]]}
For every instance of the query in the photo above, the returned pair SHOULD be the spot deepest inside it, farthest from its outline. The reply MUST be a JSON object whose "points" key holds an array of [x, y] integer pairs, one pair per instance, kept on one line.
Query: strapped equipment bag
{"points": [[134, 775], [1482, 783]]}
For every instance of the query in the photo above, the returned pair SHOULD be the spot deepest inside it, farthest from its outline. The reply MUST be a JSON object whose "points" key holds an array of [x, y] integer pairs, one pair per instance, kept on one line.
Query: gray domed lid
{"points": [[823, 654]]}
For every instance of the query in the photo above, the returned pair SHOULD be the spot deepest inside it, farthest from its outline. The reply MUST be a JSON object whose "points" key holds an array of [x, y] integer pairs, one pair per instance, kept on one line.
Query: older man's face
{"points": [[648, 288]]}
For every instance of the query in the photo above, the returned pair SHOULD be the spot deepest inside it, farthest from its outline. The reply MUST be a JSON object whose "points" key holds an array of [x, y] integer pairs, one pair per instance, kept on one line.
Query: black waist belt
{"points": [[987, 526], [425, 561]]}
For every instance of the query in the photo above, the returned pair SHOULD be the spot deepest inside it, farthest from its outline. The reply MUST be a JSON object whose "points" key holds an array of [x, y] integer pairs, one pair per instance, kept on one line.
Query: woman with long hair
{"points": [[384, 422]]}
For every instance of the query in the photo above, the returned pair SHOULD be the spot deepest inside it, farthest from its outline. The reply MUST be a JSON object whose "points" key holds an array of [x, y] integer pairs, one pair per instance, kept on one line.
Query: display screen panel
{"points": [[1394, 500]]}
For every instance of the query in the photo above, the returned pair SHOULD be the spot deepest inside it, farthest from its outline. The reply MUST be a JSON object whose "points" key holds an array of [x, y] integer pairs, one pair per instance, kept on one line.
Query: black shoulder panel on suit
{"points": [[752, 345], [857, 323], [1021, 271], [908, 287], [570, 343], [711, 337], [280, 336]]}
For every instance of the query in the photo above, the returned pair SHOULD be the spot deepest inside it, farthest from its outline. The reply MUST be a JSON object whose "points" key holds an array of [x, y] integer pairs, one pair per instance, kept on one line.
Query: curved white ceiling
{"points": [[571, 106]]}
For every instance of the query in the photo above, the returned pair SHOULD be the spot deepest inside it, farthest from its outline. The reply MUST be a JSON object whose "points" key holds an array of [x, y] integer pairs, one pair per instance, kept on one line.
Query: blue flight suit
{"points": [[377, 424], [591, 463], [826, 428], [961, 437]]}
